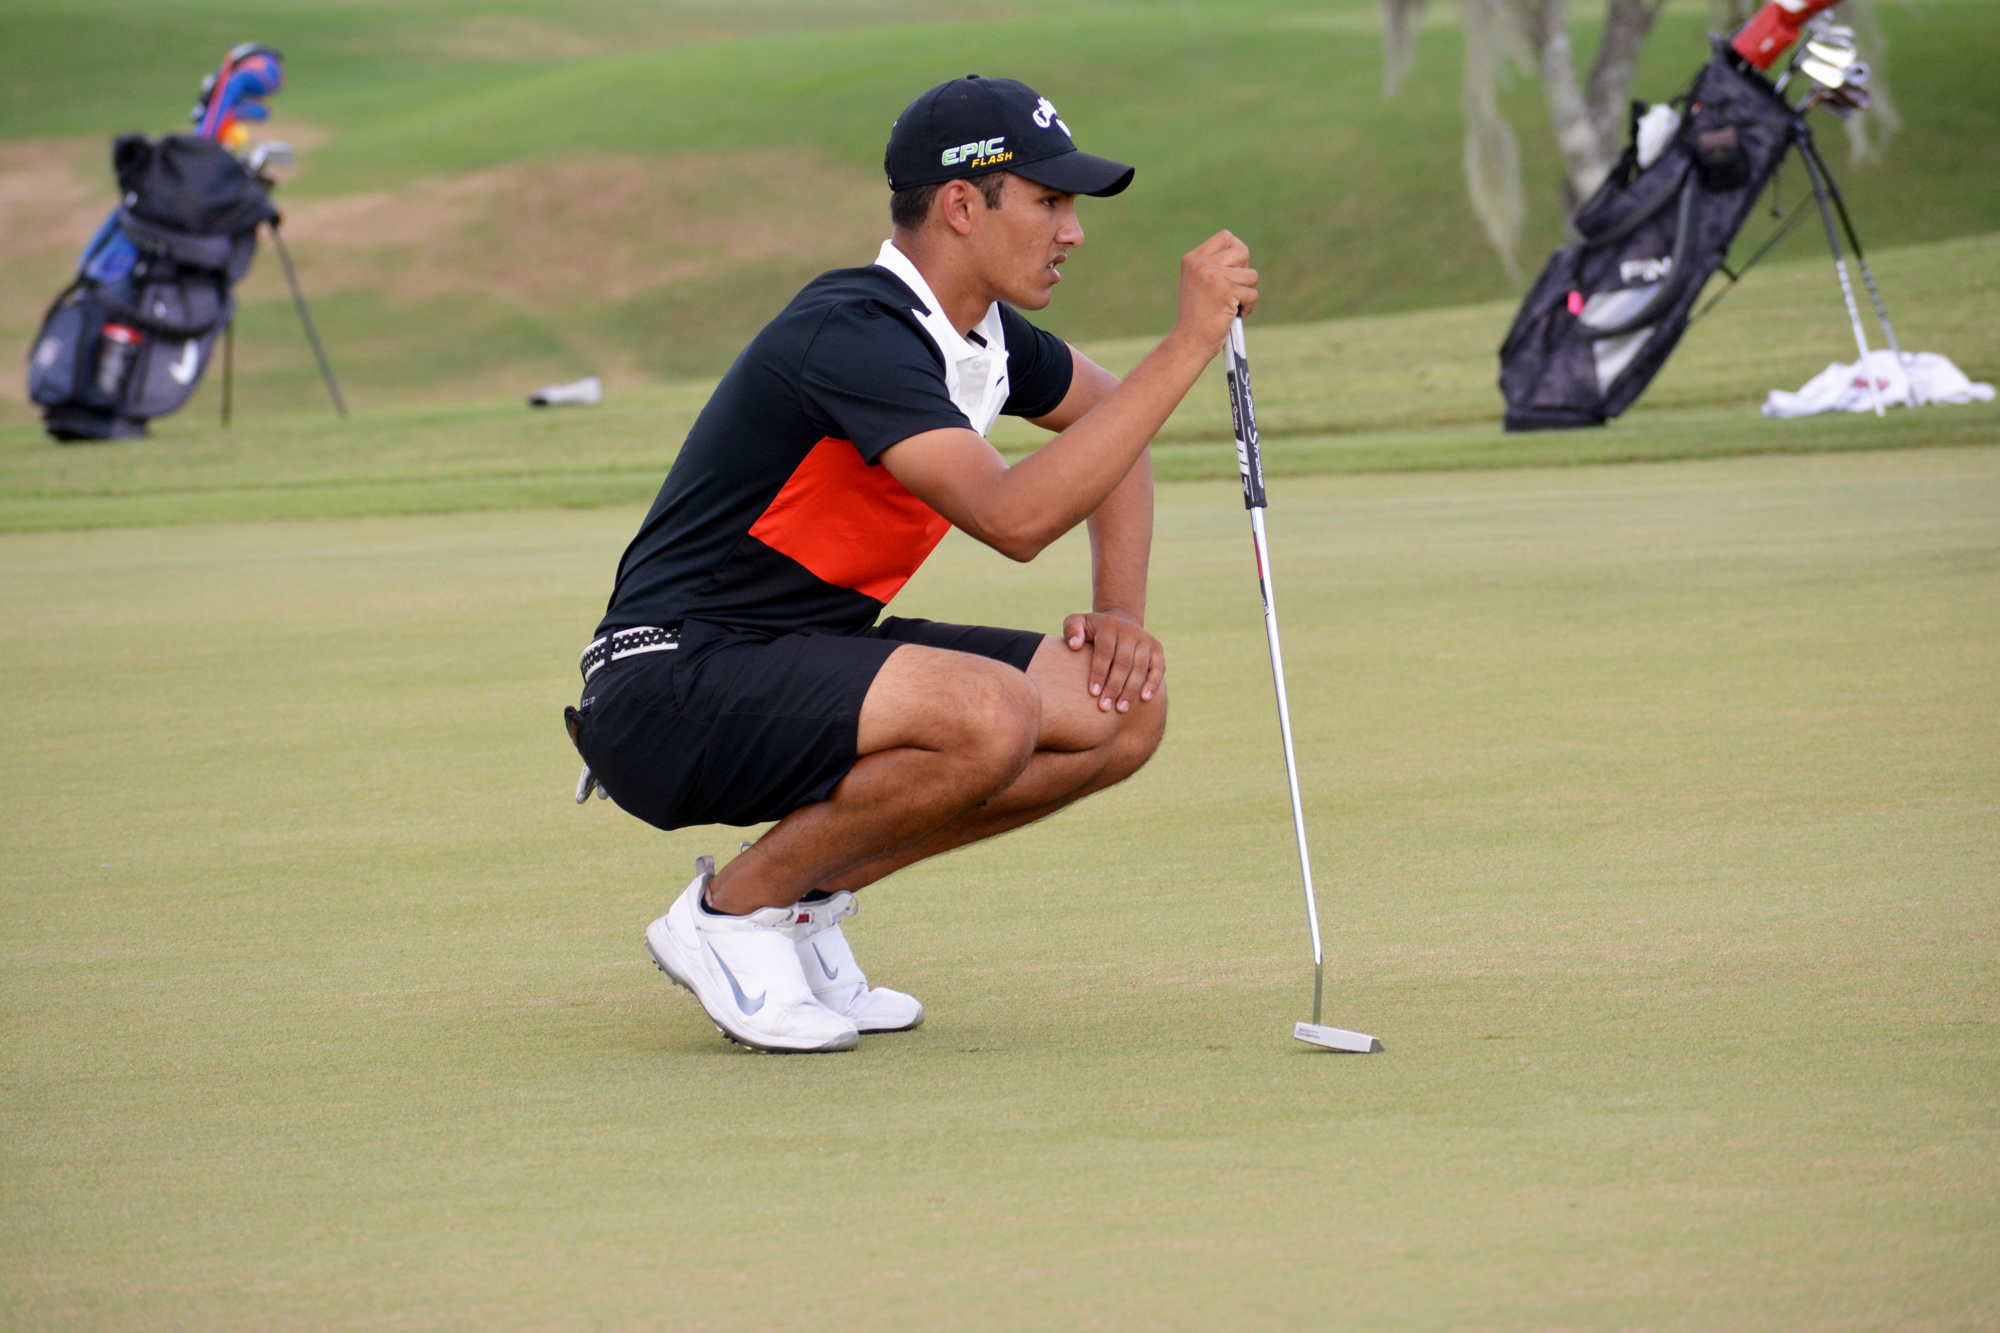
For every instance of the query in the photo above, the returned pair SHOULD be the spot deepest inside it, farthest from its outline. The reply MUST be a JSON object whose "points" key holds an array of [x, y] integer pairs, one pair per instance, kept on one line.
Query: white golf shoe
{"points": [[745, 971], [836, 979]]}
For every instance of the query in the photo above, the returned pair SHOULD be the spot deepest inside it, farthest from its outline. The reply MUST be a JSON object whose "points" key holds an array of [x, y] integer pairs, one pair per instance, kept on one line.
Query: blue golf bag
{"points": [[130, 337]]}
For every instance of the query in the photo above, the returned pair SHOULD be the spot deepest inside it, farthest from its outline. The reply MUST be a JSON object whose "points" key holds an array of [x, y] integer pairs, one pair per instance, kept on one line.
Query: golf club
{"points": [[1251, 464], [1815, 173]]}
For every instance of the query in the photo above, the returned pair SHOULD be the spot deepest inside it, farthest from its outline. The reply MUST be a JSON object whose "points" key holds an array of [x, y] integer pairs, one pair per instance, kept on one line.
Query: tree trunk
{"points": [[1627, 23], [1589, 125], [1585, 161]]}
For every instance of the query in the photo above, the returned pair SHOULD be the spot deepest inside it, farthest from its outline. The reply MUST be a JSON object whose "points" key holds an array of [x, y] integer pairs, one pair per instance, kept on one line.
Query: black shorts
{"points": [[739, 729]]}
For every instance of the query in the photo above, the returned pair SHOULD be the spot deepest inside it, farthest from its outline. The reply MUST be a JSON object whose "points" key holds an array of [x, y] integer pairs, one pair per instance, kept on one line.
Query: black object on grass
{"points": [[131, 335], [1606, 312]]}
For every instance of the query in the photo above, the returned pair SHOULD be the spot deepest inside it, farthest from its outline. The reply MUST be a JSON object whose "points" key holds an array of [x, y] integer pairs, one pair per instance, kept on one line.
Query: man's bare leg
{"points": [[1078, 749], [1082, 750], [940, 732]]}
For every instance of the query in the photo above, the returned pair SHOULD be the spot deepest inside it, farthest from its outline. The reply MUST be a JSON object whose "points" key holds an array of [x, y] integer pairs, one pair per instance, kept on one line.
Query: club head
{"points": [[1838, 56], [1825, 75], [1336, 1039], [270, 153]]}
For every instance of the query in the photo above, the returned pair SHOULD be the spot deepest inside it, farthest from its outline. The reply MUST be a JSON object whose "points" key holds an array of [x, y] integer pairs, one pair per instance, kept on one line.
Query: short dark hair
{"points": [[908, 208]]}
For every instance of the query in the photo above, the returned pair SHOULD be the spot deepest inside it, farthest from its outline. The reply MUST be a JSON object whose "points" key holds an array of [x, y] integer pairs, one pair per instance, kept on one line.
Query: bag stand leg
{"points": [[228, 367], [1811, 149], [1819, 185], [305, 318], [1736, 275]]}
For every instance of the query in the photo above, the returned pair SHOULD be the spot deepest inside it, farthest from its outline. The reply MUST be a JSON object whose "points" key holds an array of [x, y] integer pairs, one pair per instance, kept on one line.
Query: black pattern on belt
{"points": [[628, 643]]}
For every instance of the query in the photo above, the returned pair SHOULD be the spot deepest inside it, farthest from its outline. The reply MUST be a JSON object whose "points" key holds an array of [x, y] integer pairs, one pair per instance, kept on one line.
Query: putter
{"points": [[1251, 464]]}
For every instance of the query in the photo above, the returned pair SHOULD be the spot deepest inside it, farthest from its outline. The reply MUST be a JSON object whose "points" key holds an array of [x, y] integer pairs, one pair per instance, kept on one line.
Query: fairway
{"points": [[1373, 394], [1655, 817]]}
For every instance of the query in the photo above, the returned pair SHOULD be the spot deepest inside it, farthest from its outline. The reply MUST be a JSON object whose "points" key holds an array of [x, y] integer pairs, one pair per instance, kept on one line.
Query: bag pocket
{"points": [[167, 373], [62, 360], [1719, 158], [185, 304]]}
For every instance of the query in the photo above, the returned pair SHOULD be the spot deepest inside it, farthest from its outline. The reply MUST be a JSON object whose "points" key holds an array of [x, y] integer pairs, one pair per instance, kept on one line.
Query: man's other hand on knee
{"points": [[1127, 665]]}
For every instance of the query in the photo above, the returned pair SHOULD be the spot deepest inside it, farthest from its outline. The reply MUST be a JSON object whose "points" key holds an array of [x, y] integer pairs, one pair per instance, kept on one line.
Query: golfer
{"points": [[741, 673]]}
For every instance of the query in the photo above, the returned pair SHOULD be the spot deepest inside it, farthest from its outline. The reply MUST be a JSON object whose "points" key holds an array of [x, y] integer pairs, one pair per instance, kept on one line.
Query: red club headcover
{"points": [[1774, 28]]}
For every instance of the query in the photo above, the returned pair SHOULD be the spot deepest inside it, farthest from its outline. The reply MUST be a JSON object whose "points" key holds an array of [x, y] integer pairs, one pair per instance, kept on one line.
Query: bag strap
{"points": [[1646, 212], [1670, 287], [193, 249]]}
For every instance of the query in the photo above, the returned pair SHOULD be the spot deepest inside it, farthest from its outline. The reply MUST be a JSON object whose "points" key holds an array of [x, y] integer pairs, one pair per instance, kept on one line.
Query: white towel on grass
{"points": [[1925, 377]]}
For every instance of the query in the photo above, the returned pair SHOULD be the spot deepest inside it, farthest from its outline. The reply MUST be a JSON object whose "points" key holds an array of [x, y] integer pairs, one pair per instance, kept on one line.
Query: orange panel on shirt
{"points": [[852, 525]]}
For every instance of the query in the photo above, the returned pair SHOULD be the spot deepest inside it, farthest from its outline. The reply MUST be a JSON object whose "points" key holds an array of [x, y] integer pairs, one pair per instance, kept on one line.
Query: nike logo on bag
{"points": [[743, 1002], [183, 370], [832, 973]]}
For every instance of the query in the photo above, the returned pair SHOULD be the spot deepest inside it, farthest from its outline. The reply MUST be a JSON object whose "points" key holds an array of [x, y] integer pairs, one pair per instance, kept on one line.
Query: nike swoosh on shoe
{"points": [[832, 973], [743, 1002]]}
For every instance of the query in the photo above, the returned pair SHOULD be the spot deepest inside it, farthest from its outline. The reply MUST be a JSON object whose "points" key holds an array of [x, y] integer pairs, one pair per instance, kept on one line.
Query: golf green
{"points": [[1655, 811]]}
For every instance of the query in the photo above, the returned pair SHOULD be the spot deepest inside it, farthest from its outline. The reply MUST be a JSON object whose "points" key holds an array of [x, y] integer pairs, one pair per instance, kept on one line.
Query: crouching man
{"points": [[740, 673]]}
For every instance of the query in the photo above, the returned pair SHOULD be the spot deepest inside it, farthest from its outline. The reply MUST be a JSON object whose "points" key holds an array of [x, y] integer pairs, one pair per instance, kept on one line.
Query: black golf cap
{"points": [[972, 126]]}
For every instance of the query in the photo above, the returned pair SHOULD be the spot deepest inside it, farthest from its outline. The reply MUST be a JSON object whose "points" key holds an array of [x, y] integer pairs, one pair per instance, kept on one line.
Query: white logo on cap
{"points": [[1046, 112]]}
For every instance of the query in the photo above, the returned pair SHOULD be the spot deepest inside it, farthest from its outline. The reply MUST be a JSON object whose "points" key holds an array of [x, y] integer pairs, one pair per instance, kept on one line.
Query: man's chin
{"points": [[1034, 296]]}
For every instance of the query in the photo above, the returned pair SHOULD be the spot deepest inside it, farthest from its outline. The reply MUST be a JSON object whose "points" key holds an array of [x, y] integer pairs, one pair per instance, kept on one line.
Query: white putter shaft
{"points": [[1250, 463]]}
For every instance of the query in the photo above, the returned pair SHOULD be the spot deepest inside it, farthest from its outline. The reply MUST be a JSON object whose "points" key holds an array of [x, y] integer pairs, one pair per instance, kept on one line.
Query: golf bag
{"points": [[1607, 311], [129, 338]]}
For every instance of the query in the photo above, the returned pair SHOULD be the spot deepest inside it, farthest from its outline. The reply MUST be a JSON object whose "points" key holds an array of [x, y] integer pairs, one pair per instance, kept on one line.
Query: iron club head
{"points": [[1821, 73], [1336, 1039]]}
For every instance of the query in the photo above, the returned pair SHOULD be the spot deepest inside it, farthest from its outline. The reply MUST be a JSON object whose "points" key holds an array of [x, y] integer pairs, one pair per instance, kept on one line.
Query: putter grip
{"points": [[1243, 416]]}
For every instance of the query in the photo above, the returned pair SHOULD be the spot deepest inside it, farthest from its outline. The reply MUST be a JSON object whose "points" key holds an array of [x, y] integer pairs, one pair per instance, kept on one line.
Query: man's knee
{"points": [[1002, 715], [1138, 737]]}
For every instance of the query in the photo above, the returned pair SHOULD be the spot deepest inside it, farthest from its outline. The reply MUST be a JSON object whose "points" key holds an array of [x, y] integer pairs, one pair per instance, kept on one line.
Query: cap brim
{"points": [[1077, 173]]}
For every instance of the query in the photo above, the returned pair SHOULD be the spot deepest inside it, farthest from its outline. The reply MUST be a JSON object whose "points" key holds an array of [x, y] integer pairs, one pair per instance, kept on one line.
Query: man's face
{"points": [[1021, 243]]}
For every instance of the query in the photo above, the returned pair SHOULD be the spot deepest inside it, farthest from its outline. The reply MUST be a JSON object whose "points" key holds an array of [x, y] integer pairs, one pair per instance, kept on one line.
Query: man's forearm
{"points": [[1072, 476], [1121, 544], [1018, 511]]}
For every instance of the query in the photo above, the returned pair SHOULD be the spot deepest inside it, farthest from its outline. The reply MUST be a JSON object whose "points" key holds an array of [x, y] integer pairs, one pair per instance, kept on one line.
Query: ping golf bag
{"points": [[129, 338], [1607, 311]]}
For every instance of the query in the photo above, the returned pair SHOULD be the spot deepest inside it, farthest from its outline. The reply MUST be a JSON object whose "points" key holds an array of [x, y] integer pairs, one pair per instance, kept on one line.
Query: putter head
{"points": [[1336, 1039]]}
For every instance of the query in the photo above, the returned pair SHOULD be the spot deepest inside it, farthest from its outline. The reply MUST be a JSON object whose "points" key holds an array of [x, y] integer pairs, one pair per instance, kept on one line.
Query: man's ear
{"points": [[956, 204]]}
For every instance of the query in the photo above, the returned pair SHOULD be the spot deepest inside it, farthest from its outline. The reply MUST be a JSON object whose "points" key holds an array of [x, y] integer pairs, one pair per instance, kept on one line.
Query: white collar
{"points": [[954, 345], [975, 377]]}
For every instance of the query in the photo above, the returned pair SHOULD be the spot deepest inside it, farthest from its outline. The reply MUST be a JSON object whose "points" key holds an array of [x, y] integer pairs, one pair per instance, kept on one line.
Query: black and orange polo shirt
{"points": [[778, 516]]}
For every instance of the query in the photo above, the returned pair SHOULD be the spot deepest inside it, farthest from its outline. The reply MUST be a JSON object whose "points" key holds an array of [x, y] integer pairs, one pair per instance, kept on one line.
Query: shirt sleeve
{"points": [[873, 379], [1039, 367]]}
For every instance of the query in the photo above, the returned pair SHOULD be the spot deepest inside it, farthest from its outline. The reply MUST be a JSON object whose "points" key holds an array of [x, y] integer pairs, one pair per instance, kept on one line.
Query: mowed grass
{"points": [[1385, 393], [1654, 810]]}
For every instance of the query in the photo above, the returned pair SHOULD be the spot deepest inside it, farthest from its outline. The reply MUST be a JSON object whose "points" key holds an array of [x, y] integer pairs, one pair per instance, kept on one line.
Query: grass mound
{"points": [[493, 201]]}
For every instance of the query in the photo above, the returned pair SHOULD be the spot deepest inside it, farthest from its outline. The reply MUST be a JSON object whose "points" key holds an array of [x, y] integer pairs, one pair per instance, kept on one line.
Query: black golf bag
{"points": [[1607, 312], [128, 340]]}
